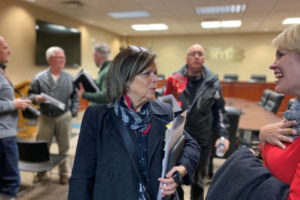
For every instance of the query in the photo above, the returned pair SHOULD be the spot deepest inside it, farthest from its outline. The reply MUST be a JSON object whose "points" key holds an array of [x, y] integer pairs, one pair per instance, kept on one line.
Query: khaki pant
{"points": [[60, 127]]}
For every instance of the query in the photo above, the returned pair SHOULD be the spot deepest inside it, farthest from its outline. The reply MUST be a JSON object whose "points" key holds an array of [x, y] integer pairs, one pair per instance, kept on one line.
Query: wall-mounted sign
{"points": [[231, 54]]}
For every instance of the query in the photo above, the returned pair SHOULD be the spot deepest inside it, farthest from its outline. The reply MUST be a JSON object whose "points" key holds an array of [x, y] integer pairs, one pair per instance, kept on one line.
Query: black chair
{"points": [[230, 77], [273, 102], [34, 156], [258, 78], [264, 98], [233, 115]]}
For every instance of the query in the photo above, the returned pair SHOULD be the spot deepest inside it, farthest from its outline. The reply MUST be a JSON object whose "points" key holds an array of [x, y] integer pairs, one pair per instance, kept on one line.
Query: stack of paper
{"points": [[53, 101], [174, 143]]}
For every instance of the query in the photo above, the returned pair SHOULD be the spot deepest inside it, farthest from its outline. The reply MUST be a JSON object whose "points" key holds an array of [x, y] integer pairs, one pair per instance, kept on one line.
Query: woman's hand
{"points": [[169, 185], [277, 133], [227, 143]]}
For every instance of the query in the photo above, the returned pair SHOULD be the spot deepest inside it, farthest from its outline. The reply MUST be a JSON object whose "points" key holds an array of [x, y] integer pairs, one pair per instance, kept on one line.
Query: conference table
{"points": [[253, 116]]}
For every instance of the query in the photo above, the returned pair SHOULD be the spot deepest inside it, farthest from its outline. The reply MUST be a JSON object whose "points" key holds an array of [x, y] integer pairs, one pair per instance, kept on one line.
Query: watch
{"points": [[177, 178]]}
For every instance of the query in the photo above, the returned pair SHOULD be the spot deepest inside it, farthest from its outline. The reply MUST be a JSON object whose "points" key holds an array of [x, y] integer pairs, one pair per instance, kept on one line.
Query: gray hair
{"points": [[104, 49], [51, 51]]}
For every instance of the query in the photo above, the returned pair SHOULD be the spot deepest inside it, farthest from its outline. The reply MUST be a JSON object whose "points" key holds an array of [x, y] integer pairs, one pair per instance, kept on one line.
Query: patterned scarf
{"points": [[294, 114], [137, 121], [140, 124]]}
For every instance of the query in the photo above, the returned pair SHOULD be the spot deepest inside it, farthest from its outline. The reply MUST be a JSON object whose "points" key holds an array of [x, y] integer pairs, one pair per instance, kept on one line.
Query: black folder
{"points": [[175, 152], [86, 80]]}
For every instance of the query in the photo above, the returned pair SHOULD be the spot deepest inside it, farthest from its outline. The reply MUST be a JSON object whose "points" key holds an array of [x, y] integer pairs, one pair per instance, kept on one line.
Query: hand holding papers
{"points": [[174, 143], [53, 101], [86, 80], [171, 100]]}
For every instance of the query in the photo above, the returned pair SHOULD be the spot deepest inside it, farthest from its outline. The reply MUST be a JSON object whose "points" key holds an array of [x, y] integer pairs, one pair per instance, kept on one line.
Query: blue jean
{"points": [[9, 168]]}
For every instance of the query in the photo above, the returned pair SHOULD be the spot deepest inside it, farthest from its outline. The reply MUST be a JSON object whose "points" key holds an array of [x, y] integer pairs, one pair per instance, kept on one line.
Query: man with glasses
{"points": [[198, 90], [54, 120]]}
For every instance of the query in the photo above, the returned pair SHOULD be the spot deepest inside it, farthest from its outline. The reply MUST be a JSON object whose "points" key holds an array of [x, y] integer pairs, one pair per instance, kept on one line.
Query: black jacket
{"points": [[207, 110], [243, 176], [102, 168]]}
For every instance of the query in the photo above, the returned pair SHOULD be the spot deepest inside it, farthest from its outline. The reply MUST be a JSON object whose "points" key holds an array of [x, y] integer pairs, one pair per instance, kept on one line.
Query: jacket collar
{"points": [[207, 74], [105, 65], [2, 66]]}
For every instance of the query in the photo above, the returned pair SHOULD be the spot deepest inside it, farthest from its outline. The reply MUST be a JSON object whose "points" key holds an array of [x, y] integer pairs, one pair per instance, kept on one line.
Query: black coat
{"points": [[243, 176], [205, 111], [102, 168]]}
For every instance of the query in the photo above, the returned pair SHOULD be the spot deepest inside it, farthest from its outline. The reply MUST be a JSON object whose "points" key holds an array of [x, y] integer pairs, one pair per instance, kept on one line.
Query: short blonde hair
{"points": [[289, 39]]}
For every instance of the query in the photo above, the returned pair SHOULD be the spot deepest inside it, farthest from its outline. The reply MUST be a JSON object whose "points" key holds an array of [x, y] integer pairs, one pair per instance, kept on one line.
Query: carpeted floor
{"points": [[51, 189]]}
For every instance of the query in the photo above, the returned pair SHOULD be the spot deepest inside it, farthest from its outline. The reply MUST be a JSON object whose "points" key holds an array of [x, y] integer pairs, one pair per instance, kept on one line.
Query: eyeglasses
{"points": [[60, 57], [194, 53]]}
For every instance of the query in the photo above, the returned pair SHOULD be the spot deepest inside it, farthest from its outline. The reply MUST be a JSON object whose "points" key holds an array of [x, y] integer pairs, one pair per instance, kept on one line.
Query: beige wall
{"points": [[17, 22], [242, 54]]}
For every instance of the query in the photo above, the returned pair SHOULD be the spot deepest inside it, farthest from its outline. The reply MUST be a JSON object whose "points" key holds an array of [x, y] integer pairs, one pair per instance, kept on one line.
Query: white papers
{"points": [[173, 133], [171, 100], [53, 101]]}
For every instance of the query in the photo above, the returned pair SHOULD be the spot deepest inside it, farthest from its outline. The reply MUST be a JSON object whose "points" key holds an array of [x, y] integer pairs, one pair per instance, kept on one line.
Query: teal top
{"points": [[101, 96]]}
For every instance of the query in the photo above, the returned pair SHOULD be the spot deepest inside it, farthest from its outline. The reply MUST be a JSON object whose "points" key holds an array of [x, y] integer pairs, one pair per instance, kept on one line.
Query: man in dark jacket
{"points": [[198, 90]]}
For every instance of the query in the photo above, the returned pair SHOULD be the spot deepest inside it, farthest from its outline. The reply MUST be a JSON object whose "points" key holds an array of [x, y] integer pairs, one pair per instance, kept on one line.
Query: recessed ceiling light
{"points": [[158, 27], [149, 27], [234, 8], [211, 24], [30, 1], [132, 14], [140, 27], [231, 24], [291, 21], [221, 24]]}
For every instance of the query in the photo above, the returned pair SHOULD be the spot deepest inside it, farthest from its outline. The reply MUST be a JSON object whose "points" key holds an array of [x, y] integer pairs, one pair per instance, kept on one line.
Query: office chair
{"points": [[230, 77], [233, 115], [264, 98], [34, 156], [273, 102], [258, 78]]}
